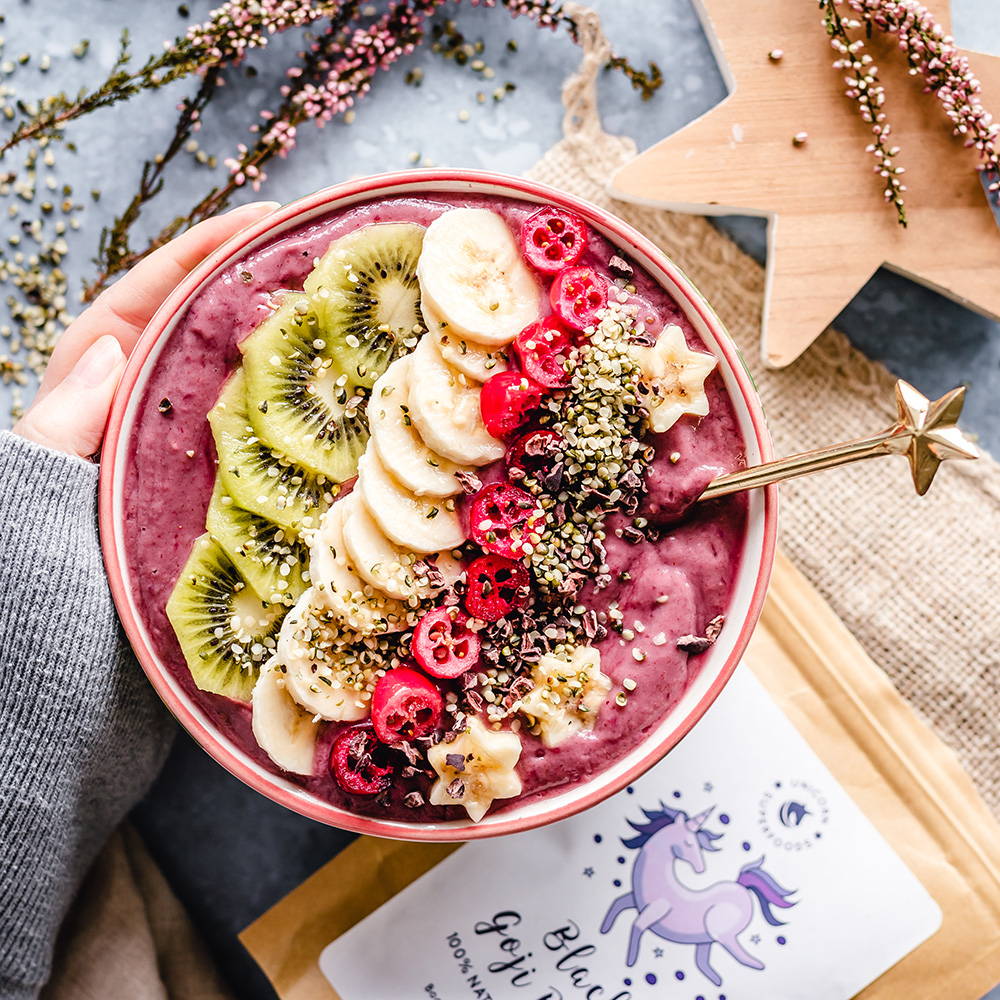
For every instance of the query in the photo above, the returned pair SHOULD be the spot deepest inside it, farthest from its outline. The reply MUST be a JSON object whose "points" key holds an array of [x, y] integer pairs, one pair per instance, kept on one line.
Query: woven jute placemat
{"points": [[917, 580]]}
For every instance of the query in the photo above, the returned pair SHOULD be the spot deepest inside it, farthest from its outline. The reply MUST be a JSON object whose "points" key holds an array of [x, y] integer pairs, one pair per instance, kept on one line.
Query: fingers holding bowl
{"points": [[123, 310]]}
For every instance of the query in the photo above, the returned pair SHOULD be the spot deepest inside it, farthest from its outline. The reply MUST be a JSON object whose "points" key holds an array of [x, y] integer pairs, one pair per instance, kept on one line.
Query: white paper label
{"points": [[736, 869]]}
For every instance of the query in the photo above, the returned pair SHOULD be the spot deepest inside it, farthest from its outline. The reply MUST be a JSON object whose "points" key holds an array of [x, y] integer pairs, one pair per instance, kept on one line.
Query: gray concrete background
{"points": [[230, 853]]}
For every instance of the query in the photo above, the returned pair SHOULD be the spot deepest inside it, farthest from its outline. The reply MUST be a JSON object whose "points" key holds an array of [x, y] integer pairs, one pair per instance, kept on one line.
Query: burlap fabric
{"points": [[917, 580]]}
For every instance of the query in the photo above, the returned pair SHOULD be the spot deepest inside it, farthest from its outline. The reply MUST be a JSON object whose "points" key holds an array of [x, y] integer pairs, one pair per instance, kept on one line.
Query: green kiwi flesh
{"points": [[366, 296], [301, 401], [258, 478], [269, 557], [225, 630]]}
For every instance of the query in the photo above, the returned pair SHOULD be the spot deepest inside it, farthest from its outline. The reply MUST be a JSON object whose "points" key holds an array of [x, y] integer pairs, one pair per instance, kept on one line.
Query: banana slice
{"points": [[325, 669], [358, 604], [444, 405], [285, 732], [477, 767], [465, 356], [676, 378], [397, 442], [416, 524], [393, 570], [473, 278], [567, 696]]}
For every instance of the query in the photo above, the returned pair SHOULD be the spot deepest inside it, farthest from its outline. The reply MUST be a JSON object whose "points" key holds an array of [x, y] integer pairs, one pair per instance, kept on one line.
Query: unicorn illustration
{"points": [[674, 912]]}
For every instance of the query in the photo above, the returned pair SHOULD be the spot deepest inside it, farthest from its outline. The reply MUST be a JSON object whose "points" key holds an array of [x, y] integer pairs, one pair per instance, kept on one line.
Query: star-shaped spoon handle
{"points": [[926, 432]]}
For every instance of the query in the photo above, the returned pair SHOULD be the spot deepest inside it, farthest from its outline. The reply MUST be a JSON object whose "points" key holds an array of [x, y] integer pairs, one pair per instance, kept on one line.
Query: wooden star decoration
{"points": [[829, 227]]}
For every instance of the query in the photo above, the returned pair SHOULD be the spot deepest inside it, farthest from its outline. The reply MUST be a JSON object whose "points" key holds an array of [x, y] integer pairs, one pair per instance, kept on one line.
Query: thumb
{"points": [[72, 416]]}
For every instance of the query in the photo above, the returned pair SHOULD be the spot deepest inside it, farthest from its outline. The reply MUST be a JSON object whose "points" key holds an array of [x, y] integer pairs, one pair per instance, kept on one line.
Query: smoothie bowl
{"points": [[396, 505]]}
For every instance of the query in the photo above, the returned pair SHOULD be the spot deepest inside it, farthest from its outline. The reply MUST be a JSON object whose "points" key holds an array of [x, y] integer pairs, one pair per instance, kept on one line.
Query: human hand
{"points": [[71, 409]]}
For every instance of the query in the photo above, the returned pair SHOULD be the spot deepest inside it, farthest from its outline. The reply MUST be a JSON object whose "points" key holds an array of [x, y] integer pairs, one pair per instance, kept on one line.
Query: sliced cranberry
{"points": [[578, 294], [496, 585], [534, 453], [354, 765], [444, 645], [552, 239], [543, 349], [405, 706], [506, 401], [504, 518]]}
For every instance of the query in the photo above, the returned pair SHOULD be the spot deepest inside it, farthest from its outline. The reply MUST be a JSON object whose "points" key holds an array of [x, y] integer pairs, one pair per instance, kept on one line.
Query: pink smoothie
{"points": [[692, 564]]}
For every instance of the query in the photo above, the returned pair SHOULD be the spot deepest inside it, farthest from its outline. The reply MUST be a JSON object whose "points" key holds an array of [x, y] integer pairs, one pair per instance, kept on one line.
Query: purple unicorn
{"points": [[674, 912]]}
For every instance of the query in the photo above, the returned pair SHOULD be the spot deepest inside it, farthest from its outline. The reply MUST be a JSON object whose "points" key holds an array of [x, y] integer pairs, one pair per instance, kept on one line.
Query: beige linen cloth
{"points": [[916, 580]]}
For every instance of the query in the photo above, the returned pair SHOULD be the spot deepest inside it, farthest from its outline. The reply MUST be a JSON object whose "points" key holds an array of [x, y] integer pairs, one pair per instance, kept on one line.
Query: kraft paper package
{"points": [[905, 784]]}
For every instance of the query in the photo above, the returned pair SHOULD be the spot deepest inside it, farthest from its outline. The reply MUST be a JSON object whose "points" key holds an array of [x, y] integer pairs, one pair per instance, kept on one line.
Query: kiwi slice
{"points": [[301, 401], [269, 557], [365, 293], [258, 478], [226, 631]]}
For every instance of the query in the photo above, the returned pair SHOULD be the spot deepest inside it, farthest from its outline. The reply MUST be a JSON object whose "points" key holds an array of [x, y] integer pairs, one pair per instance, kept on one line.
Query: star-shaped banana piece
{"points": [[567, 696], [675, 376], [475, 768]]}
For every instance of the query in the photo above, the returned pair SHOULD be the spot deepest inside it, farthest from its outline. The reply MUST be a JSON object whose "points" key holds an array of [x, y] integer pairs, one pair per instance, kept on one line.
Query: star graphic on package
{"points": [[755, 939], [707, 787], [589, 872], [789, 145], [657, 953]]}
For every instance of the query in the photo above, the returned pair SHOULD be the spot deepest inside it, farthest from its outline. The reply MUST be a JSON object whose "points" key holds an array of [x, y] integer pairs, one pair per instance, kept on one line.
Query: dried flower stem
{"points": [[224, 39], [932, 55], [946, 72], [114, 243], [548, 14], [865, 89]]}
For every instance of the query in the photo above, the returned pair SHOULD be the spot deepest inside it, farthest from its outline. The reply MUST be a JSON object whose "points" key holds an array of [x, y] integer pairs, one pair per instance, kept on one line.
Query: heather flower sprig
{"points": [[329, 79], [933, 56], [864, 88], [332, 75], [223, 39], [946, 73]]}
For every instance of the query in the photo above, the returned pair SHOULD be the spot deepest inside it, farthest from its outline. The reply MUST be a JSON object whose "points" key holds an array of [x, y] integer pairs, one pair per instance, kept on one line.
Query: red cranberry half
{"points": [[405, 706], [353, 763], [504, 518], [534, 453], [542, 349], [444, 645], [578, 294], [506, 401], [552, 239], [496, 585]]}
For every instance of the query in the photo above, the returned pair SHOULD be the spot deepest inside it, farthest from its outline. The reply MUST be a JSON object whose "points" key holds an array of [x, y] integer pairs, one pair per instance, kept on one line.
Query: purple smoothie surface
{"points": [[694, 562]]}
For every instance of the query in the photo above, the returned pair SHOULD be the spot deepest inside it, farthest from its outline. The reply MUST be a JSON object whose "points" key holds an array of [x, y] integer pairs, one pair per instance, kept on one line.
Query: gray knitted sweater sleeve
{"points": [[82, 733]]}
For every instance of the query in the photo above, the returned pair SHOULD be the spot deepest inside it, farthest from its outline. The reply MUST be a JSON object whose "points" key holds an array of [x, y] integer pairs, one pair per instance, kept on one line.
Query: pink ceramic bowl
{"points": [[748, 591]]}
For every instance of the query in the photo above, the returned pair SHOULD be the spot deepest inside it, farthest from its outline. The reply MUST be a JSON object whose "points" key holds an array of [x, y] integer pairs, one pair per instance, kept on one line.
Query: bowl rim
{"points": [[207, 735]]}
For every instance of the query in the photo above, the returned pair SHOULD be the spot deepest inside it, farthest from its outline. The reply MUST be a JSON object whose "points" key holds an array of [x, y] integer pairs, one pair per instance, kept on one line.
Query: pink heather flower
{"points": [[865, 89], [240, 25], [542, 12], [946, 72]]}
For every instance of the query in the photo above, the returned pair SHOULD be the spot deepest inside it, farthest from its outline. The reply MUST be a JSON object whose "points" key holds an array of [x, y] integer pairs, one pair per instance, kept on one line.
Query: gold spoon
{"points": [[926, 433]]}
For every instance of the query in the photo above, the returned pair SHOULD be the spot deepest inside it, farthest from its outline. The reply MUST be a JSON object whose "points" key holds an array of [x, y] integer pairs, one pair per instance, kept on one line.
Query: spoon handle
{"points": [[803, 464], [925, 432]]}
